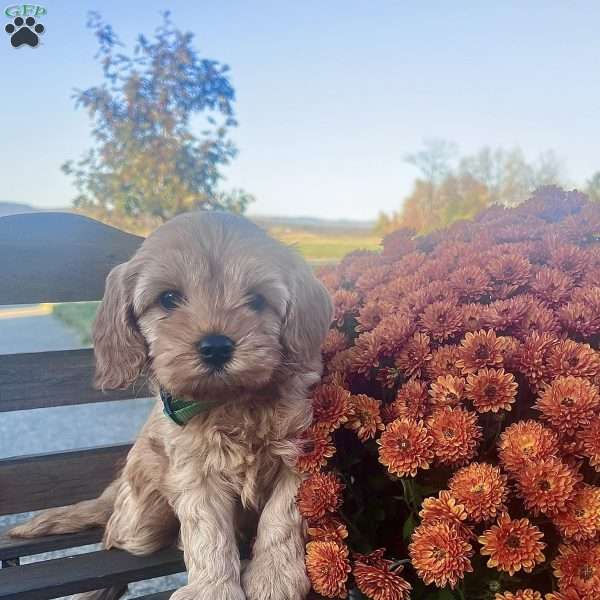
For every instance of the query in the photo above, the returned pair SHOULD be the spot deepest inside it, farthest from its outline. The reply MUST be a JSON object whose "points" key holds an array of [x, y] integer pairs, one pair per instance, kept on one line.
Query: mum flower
{"points": [[331, 404], [456, 435], [319, 494], [525, 441], [365, 417], [546, 485], [568, 357], [590, 440], [443, 362], [577, 567], [328, 566], [581, 519], [345, 304], [478, 350], [441, 320], [532, 357], [405, 447], [551, 286], [440, 553], [443, 508], [491, 390], [527, 594], [375, 577], [412, 400], [317, 449], [481, 488], [328, 529], [335, 341], [512, 545], [569, 403], [447, 390], [415, 355]]}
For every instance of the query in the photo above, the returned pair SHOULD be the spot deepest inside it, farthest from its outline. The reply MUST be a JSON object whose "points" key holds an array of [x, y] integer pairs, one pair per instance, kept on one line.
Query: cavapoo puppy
{"points": [[227, 323]]}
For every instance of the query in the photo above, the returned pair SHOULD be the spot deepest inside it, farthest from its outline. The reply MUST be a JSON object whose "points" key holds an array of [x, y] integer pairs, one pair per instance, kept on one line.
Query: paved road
{"points": [[65, 428]]}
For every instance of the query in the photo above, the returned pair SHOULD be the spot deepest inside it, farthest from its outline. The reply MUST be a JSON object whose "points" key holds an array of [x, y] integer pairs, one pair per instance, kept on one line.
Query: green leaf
{"points": [[408, 527]]}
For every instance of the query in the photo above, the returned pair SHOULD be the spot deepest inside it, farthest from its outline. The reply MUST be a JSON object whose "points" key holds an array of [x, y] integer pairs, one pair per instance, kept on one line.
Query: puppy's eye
{"points": [[170, 299], [257, 302]]}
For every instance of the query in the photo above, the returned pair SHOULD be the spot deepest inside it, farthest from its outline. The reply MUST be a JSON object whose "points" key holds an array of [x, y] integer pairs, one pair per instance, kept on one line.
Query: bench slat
{"points": [[58, 257], [47, 480], [43, 379], [16, 547], [85, 572]]}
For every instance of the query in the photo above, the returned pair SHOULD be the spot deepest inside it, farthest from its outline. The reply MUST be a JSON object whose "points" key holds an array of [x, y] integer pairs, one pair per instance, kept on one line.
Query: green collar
{"points": [[181, 411]]}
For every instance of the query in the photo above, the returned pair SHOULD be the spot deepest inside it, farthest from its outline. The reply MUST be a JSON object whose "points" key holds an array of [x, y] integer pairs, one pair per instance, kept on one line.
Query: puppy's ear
{"points": [[119, 346], [309, 314]]}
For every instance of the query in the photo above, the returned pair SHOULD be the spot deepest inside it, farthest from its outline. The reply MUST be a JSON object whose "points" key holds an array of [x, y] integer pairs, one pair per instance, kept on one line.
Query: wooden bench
{"points": [[46, 258]]}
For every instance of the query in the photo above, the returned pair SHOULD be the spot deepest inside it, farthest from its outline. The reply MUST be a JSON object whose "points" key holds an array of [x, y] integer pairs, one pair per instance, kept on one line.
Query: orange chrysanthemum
{"points": [[571, 358], [405, 447], [317, 449], [569, 403], [512, 545], [532, 357], [579, 319], [551, 286], [482, 489], [335, 341], [491, 390], [331, 404], [319, 494], [527, 594], [470, 283], [328, 529], [365, 417], [590, 441], [456, 435], [443, 508], [375, 577], [447, 390], [443, 362], [581, 520], [509, 272], [412, 400], [441, 320], [567, 595], [415, 355], [440, 553], [577, 567], [478, 350], [345, 304], [328, 566], [546, 485], [525, 441]]}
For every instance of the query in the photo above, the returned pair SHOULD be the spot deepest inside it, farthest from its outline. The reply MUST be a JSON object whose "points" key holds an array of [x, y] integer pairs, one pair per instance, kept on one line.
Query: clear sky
{"points": [[331, 94]]}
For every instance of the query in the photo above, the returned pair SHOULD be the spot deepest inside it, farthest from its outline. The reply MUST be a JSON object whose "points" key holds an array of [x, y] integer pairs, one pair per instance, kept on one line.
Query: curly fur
{"points": [[189, 483]]}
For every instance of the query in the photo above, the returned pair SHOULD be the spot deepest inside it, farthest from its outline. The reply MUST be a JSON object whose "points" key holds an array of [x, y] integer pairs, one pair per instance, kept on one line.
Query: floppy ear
{"points": [[119, 346], [309, 314]]}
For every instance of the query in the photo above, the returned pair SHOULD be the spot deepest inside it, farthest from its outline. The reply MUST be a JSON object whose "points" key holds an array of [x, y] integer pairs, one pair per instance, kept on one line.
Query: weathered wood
{"points": [[47, 480], [11, 547], [58, 257], [43, 379], [85, 572]]}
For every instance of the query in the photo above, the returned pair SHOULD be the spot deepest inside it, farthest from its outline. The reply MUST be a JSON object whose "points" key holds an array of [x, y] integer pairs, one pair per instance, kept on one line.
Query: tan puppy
{"points": [[219, 314]]}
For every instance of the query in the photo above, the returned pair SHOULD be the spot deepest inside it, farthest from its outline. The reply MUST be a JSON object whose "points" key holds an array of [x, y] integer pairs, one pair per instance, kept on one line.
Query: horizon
{"points": [[329, 106]]}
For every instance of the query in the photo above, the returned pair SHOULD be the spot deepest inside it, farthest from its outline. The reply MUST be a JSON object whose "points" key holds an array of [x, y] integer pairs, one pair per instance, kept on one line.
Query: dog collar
{"points": [[181, 411]]}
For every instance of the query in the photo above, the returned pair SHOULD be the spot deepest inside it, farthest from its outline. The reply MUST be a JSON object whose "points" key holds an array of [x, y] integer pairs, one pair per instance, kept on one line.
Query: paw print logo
{"points": [[24, 32]]}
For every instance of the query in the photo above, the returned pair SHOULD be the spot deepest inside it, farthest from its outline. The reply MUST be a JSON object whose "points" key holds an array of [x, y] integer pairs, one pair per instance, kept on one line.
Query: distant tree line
{"points": [[451, 187]]}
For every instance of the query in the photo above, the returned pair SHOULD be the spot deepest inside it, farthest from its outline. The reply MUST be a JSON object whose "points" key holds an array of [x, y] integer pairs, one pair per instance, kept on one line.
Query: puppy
{"points": [[224, 319]]}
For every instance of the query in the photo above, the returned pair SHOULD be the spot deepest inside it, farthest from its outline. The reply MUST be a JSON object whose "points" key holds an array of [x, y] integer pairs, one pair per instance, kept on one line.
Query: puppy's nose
{"points": [[215, 349]]}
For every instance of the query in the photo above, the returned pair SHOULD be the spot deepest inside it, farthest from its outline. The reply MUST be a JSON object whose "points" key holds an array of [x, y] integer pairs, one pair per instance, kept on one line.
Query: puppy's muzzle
{"points": [[215, 350]]}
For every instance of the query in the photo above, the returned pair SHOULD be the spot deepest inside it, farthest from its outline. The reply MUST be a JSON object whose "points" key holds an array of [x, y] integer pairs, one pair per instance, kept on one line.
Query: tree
{"points": [[146, 160], [592, 188]]}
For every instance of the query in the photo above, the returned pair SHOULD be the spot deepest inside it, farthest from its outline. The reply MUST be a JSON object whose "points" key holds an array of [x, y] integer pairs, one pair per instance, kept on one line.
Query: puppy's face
{"points": [[212, 305]]}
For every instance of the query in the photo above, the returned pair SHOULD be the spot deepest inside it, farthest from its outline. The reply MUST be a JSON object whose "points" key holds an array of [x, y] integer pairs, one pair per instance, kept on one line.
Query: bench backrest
{"points": [[46, 258]]}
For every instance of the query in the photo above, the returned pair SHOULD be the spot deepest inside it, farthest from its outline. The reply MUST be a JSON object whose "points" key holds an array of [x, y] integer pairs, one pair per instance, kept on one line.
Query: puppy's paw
{"points": [[269, 576], [220, 591]]}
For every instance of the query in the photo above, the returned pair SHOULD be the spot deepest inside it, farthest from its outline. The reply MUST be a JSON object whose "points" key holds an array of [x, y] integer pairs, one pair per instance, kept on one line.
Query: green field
{"points": [[317, 247]]}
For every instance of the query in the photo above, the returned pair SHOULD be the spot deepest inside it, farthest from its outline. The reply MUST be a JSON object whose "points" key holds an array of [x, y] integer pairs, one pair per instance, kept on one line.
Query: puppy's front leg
{"points": [[206, 514], [277, 570]]}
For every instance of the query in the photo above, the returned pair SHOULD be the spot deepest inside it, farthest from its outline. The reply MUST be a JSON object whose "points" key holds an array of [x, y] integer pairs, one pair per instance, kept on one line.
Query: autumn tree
{"points": [[592, 188], [147, 159]]}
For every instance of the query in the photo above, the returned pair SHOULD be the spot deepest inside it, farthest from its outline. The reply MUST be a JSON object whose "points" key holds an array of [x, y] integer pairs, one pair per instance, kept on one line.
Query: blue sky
{"points": [[331, 95]]}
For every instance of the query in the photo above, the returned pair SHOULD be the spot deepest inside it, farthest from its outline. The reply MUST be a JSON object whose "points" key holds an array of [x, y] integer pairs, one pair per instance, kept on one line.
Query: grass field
{"points": [[316, 246]]}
